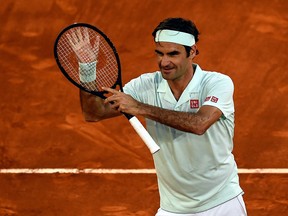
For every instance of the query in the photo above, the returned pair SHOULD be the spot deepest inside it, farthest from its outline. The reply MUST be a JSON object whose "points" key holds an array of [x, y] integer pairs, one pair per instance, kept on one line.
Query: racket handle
{"points": [[143, 133]]}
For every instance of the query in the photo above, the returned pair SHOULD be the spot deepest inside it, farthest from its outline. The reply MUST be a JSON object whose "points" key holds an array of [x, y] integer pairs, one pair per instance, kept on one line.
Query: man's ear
{"points": [[193, 51]]}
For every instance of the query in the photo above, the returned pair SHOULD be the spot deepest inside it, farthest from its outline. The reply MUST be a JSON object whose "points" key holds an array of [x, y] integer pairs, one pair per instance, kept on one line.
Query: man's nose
{"points": [[165, 61]]}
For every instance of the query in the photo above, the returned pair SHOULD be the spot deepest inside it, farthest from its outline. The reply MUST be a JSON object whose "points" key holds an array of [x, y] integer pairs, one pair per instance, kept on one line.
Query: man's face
{"points": [[172, 60]]}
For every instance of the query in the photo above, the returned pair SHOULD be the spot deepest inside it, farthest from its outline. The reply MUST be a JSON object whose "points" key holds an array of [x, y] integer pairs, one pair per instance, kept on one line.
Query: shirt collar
{"points": [[192, 87]]}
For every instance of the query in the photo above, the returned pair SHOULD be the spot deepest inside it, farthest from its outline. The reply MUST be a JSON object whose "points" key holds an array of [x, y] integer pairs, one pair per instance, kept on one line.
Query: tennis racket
{"points": [[89, 60]]}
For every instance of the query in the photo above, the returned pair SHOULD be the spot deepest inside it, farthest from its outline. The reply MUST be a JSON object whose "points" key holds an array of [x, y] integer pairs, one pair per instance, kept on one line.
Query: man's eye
{"points": [[173, 53], [159, 54]]}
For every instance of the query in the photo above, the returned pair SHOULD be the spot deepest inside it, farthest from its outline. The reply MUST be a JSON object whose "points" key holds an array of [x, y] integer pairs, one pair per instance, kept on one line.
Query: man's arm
{"points": [[94, 109], [196, 123]]}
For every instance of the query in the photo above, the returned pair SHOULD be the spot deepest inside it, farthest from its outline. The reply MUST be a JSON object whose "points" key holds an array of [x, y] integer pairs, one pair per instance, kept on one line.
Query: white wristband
{"points": [[87, 71]]}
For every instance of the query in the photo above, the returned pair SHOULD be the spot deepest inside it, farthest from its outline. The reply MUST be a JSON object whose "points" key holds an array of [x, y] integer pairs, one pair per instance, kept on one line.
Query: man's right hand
{"points": [[84, 50]]}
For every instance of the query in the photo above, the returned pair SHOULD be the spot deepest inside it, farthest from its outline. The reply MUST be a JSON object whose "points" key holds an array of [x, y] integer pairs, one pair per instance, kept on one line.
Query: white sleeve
{"points": [[141, 88], [132, 87], [220, 94]]}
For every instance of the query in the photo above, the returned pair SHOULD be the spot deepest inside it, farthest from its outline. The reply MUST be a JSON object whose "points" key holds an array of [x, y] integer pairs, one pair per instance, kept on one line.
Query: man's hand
{"points": [[86, 53], [80, 43], [122, 102]]}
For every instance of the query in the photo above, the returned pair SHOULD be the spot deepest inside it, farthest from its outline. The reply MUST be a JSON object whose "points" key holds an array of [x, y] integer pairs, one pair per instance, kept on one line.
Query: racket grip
{"points": [[143, 133]]}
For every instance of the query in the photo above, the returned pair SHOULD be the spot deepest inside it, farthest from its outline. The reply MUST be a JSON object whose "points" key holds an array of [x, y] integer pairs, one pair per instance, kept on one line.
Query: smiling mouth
{"points": [[166, 70]]}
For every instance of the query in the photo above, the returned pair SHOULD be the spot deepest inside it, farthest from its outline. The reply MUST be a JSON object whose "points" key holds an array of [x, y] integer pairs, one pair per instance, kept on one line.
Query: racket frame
{"points": [[139, 128], [97, 93]]}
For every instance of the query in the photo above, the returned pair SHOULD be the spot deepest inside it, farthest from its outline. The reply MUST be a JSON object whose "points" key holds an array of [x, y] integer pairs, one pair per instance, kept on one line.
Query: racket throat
{"points": [[128, 116]]}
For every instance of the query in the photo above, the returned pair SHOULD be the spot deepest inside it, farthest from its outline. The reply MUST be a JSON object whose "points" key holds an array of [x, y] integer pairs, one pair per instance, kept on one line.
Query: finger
{"points": [[86, 35], [72, 37], [115, 106], [113, 91], [96, 45], [70, 40], [79, 34], [111, 100], [97, 41], [75, 38]]}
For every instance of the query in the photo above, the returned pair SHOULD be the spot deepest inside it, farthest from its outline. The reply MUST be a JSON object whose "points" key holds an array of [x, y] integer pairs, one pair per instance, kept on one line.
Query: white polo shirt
{"points": [[195, 173]]}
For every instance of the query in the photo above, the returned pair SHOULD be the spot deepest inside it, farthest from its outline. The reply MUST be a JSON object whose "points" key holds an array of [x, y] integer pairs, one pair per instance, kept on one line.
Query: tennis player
{"points": [[190, 114]]}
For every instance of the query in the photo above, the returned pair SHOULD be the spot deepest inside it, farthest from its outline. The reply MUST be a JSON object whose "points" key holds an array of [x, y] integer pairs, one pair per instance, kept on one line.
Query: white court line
{"points": [[123, 171]]}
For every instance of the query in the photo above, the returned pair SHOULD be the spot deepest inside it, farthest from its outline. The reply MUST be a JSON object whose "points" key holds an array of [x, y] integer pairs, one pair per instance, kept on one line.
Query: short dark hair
{"points": [[179, 24]]}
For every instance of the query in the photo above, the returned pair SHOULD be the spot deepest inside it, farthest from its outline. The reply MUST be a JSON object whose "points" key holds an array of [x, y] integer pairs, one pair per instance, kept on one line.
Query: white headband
{"points": [[172, 36]]}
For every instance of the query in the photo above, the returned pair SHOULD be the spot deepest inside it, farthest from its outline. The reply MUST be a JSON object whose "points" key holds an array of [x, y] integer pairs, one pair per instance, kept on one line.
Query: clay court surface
{"points": [[41, 125]]}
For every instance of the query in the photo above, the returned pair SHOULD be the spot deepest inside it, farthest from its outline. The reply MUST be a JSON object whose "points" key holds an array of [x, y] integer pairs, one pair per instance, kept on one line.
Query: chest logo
{"points": [[194, 103]]}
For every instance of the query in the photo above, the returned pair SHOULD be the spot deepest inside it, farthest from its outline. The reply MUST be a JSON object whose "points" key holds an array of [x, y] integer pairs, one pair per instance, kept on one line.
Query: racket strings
{"points": [[87, 58]]}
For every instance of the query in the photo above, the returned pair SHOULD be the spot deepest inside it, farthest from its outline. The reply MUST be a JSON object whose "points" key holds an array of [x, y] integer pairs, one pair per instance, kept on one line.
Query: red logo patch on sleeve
{"points": [[214, 99], [194, 103], [207, 98]]}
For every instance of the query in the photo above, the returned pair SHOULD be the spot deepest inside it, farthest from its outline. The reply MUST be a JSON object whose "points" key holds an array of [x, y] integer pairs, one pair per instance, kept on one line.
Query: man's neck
{"points": [[178, 86]]}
